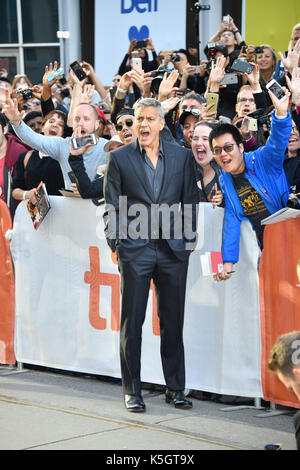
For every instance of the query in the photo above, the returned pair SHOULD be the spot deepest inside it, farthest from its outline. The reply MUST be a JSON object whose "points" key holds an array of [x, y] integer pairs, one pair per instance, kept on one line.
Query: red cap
{"points": [[101, 115]]}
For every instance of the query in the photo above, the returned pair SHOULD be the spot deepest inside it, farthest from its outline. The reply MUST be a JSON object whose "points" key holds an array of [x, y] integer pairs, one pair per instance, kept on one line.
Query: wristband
{"points": [[24, 194], [121, 90], [236, 31]]}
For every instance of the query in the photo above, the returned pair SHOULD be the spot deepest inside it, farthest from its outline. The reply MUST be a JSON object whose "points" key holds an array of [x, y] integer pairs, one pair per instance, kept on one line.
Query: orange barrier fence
{"points": [[7, 291], [279, 299]]}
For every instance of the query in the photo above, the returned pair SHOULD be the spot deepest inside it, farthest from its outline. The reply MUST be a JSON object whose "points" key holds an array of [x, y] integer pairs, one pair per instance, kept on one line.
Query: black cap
{"points": [[125, 111], [31, 115], [191, 112]]}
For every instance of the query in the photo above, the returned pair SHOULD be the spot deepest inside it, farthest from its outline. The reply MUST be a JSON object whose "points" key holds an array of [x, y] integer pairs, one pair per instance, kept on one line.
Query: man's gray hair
{"points": [[150, 102]]}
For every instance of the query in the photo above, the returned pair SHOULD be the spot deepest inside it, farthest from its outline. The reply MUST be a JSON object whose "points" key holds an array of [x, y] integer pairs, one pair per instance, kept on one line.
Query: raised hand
{"points": [[281, 106], [167, 85], [11, 110], [294, 85], [292, 59], [50, 70]]}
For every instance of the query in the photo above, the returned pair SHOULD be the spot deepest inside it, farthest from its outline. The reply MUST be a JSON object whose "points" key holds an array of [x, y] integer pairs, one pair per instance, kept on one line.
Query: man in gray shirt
{"points": [[85, 122]]}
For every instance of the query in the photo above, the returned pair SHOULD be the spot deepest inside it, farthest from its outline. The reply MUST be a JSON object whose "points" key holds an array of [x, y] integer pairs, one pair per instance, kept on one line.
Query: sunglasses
{"points": [[120, 125], [218, 150]]}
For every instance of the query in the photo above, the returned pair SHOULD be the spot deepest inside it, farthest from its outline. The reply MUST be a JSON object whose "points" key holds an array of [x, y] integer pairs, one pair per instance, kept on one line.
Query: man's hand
{"points": [[87, 93], [81, 150], [244, 131], [225, 274], [11, 110]]}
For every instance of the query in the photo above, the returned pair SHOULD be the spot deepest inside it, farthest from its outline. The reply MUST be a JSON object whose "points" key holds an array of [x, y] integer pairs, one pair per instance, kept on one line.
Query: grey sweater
{"points": [[59, 149]]}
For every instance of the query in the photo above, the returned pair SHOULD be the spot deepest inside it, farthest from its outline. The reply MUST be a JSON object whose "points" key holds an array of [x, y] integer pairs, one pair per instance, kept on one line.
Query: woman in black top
{"points": [[206, 169], [34, 167]]}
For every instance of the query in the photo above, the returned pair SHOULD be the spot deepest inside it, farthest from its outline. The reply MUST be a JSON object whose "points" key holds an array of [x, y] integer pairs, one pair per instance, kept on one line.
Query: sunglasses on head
{"points": [[120, 125]]}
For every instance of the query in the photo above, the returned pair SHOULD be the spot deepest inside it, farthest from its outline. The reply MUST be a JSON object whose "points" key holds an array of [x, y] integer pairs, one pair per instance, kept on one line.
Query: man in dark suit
{"points": [[150, 219]]}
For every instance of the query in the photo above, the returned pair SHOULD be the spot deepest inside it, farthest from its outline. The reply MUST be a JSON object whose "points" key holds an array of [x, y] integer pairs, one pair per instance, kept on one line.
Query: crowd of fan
{"points": [[52, 111]]}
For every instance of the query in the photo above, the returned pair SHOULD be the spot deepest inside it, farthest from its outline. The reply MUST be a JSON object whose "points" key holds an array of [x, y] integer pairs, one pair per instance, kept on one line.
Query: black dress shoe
{"points": [[134, 403], [178, 399]]}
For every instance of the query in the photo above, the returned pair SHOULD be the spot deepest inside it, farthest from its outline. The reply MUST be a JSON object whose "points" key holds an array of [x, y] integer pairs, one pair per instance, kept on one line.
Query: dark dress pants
{"points": [[297, 428], [157, 262]]}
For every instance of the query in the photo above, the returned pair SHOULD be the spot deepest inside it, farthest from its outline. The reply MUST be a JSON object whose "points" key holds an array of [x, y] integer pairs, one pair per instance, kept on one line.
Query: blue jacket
{"points": [[264, 171]]}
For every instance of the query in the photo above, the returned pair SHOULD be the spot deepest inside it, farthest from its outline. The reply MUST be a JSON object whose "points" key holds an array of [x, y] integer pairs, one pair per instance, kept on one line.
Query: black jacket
{"points": [[125, 177]]}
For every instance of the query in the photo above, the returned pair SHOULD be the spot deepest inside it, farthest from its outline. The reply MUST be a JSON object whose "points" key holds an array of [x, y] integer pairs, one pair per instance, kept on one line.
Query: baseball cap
{"points": [[101, 115], [115, 138], [192, 112]]}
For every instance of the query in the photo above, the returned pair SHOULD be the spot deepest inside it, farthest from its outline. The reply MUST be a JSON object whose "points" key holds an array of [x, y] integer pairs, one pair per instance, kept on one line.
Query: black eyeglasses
{"points": [[120, 125], [218, 150]]}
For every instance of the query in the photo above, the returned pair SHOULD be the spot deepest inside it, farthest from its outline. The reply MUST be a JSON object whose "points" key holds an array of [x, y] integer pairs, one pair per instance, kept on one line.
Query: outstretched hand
{"points": [[11, 110]]}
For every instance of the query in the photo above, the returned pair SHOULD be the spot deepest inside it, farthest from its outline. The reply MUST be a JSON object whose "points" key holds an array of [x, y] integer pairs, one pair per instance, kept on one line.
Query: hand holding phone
{"points": [[212, 99], [54, 75], [279, 97], [78, 70]]}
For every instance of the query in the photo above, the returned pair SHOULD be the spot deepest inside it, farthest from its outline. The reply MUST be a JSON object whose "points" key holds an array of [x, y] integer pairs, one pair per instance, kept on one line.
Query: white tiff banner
{"points": [[67, 304]]}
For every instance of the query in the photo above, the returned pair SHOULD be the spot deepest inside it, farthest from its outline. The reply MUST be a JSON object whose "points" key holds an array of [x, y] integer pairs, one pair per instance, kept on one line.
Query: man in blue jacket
{"points": [[254, 183]]}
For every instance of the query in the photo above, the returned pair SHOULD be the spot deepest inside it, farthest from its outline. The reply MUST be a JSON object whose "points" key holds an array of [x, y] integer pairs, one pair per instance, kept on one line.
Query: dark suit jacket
{"points": [[125, 176]]}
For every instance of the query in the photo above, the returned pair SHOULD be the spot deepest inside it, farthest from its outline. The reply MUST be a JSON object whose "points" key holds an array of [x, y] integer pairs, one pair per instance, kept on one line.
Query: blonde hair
{"points": [[297, 26], [17, 78]]}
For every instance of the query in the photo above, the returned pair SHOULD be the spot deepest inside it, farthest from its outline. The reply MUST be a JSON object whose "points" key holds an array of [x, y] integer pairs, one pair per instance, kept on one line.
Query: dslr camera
{"points": [[26, 93], [158, 76]]}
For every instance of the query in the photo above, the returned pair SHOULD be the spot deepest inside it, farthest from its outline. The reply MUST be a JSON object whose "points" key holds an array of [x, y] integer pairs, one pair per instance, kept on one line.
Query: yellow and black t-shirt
{"points": [[253, 205]]}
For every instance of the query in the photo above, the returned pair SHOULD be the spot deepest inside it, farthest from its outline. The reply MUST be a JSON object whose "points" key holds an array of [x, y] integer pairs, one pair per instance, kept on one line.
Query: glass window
{"points": [[8, 22], [8, 62], [35, 60], [40, 21]]}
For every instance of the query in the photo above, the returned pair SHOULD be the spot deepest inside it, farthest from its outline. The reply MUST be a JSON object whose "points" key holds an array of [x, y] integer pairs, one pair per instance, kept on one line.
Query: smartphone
{"points": [[72, 177], [229, 79], [274, 86], [79, 142], [212, 98], [137, 62], [241, 66], [78, 70], [251, 125], [226, 18]]}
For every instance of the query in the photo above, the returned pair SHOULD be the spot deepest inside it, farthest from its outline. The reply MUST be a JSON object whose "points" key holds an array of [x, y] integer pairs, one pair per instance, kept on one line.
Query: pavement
{"points": [[42, 409]]}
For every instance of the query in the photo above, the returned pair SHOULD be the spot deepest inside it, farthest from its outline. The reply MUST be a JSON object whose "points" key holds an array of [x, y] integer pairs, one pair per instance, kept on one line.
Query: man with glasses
{"points": [[125, 126], [254, 183]]}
